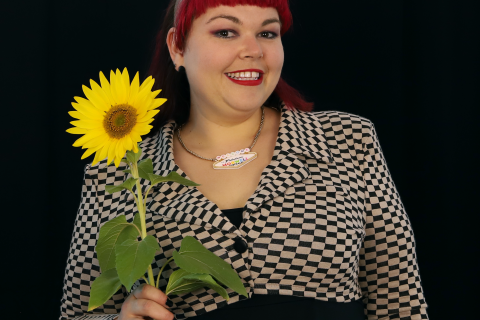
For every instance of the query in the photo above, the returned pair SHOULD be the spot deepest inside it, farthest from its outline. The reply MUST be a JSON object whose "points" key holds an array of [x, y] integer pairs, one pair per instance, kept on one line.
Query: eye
{"points": [[268, 34], [226, 34]]}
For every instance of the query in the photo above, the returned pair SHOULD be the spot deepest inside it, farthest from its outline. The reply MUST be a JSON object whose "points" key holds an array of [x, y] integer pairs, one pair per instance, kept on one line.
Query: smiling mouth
{"points": [[244, 76], [256, 80]]}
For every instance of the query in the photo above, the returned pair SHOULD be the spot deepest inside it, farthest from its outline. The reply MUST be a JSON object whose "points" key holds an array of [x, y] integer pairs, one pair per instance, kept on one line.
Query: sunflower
{"points": [[114, 116]]}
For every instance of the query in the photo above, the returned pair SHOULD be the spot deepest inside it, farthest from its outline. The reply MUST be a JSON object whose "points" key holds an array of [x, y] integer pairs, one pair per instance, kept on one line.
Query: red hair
{"points": [[191, 9], [174, 84]]}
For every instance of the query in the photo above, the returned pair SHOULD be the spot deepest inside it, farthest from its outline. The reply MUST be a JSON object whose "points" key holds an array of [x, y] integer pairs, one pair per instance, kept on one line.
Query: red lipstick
{"points": [[247, 82]]}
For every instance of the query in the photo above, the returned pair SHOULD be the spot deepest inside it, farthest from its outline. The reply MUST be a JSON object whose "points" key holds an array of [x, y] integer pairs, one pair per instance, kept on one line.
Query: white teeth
{"points": [[233, 76], [244, 75]]}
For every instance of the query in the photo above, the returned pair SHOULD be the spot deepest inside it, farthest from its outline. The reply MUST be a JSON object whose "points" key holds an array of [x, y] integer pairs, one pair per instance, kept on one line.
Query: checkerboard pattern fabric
{"points": [[325, 221]]}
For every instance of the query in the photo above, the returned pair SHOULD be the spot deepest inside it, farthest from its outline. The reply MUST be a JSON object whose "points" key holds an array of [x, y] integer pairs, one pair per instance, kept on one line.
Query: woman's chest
{"points": [[227, 188]]}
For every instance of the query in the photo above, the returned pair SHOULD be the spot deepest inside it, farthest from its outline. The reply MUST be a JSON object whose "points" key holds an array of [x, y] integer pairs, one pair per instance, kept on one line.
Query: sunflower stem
{"points": [[160, 273], [141, 210]]}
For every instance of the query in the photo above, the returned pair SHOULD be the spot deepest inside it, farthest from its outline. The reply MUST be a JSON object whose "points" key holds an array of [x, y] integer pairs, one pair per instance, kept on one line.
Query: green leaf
{"points": [[188, 286], [127, 171], [208, 281], [144, 168], [133, 157], [184, 282], [177, 284], [115, 230], [103, 288], [172, 176], [137, 222], [133, 258], [195, 258], [126, 185]]}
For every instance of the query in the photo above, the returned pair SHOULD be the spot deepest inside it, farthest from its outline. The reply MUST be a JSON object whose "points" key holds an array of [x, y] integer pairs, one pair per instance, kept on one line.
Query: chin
{"points": [[246, 100], [246, 104]]}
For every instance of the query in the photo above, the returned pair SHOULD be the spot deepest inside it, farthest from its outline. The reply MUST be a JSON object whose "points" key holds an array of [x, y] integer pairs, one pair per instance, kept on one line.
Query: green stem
{"points": [[141, 211], [158, 276], [146, 194]]}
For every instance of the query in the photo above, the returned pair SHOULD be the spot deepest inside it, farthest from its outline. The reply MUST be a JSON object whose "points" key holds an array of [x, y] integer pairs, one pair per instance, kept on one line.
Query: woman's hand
{"points": [[146, 302]]}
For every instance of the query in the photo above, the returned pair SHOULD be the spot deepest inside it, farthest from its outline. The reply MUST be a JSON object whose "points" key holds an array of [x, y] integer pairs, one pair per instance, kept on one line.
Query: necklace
{"points": [[232, 160]]}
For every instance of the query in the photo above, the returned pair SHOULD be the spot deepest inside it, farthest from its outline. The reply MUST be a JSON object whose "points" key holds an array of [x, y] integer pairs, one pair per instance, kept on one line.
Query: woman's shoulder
{"points": [[338, 118], [337, 124]]}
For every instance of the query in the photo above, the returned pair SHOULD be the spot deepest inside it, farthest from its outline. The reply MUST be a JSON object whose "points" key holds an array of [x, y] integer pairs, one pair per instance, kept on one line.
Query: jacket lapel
{"points": [[300, 136], [179, 202]]}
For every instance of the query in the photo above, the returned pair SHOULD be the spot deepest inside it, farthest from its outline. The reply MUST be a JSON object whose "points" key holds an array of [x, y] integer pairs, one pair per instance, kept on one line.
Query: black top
{"points": [[279, 307]]}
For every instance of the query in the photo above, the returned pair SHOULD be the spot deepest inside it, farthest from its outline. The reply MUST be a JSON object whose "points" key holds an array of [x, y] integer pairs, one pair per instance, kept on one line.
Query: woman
{"points": [[309, 218]]}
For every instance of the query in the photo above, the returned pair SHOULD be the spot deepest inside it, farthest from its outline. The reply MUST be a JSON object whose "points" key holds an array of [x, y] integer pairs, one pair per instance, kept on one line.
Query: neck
{"points": [[215, 132]]}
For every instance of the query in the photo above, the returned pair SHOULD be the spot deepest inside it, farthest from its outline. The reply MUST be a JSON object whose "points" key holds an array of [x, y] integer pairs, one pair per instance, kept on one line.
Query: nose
{"points": [[252, 49]]}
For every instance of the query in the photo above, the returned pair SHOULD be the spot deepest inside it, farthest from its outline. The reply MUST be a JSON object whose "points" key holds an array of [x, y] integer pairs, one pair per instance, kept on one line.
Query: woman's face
{"points": [[225, 42]]}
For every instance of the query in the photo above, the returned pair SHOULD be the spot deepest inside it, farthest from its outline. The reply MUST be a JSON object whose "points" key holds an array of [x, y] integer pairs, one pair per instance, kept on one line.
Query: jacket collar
{"points": [[300, 136]]}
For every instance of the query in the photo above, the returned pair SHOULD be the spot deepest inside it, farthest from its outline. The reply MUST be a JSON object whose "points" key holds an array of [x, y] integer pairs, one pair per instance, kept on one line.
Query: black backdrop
{"points": [[412, 67]]}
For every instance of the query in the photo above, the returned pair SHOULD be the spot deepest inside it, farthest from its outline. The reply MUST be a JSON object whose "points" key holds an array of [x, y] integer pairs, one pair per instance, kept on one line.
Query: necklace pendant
{"points": [[234, 160]]}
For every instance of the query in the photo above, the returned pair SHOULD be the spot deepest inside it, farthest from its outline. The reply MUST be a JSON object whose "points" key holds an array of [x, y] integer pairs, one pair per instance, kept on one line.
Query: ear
{"points": [[175, 53]]}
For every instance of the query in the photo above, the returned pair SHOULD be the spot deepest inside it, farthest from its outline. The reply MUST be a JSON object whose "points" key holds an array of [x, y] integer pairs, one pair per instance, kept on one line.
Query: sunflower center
{"points": [[120, 120]]}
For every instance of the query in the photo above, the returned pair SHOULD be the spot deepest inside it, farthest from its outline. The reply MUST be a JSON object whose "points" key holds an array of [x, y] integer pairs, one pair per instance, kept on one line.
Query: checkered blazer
{"points": [[325, 222]]}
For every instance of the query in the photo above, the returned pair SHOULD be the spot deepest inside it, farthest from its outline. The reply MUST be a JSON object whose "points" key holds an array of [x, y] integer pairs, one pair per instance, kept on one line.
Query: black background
{"points": [[412, 67]]}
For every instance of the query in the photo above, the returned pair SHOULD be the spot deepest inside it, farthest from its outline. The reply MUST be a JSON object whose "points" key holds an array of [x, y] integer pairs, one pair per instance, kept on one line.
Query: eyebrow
{"points": [[237, 21]]}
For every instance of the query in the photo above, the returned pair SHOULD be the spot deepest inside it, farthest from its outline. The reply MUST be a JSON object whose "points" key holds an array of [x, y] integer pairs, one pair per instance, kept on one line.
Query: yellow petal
{"points": [[148, 121], [135, 147], [127, 143], [81, 116], [87, 108], [120, 150], [95, 99], [101, 94], [91, 134], [76, 130], [155, 93], [117, 162], [101, 154], [118, 93], [113, 90], [134, 90], [126, 83], [144, 94], [111, 150], [76, 115], [147, 82], [135, 136], [106, 88], [121, 89], [86, 124], [156, 103], [142, 129], [149, 115], [142, 102], [90, 151], [96, 159], [100, 140]]}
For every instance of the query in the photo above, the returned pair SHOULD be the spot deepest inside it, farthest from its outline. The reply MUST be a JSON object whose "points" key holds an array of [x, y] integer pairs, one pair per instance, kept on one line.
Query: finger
{"points": [[149, 308], [146, 291]]}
